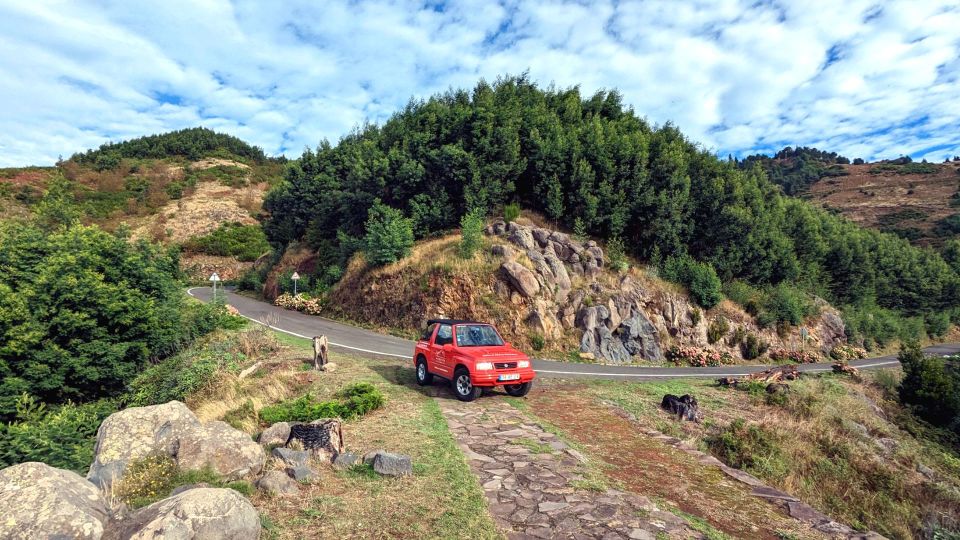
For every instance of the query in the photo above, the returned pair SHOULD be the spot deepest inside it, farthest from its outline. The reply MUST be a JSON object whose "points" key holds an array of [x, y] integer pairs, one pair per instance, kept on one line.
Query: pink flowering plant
{"points": [[697, 357], [797, 357]]}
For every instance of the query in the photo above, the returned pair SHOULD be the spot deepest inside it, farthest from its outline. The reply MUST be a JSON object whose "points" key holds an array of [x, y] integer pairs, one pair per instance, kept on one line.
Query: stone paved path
{"points": [[530, 478]]}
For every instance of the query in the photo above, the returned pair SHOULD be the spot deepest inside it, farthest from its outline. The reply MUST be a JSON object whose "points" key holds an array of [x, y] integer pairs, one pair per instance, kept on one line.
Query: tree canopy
{"points": [[592, 162], [192, 143]]}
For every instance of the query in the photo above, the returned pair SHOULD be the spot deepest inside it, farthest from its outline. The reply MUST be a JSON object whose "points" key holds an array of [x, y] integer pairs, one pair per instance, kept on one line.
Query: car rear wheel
{"points": [[518, 390], [424, 377], [463, 387]]}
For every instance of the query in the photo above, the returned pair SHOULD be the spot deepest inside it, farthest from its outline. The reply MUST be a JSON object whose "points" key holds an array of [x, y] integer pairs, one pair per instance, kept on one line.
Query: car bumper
{"points": [[492, 378]]}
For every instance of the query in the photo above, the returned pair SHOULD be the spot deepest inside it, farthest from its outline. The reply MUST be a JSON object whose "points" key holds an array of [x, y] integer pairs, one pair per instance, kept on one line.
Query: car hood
{"points": [[494, 354]]}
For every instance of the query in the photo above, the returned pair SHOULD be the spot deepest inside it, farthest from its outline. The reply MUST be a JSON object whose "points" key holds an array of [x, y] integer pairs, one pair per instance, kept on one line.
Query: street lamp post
{"points": [[295, 277], [214, 278]]}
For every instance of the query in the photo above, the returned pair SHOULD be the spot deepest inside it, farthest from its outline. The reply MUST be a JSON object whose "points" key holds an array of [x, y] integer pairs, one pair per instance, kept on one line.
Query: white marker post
{"points": [[214, 278], [295, 277]]}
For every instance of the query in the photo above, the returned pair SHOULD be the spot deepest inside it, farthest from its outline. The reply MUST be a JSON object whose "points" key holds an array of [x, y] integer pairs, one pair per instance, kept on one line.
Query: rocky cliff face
{"points": [[533, 281]]}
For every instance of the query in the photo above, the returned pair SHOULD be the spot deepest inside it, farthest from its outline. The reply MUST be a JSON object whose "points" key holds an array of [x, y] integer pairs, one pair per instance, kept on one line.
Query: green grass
{"points": [[536, 447]]}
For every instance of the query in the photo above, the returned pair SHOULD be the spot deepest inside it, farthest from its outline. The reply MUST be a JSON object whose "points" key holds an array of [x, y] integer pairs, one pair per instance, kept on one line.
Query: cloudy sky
{"points": [[866, 79]]}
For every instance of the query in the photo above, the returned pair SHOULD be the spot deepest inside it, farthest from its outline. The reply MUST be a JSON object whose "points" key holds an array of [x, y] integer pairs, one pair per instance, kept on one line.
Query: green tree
{"points": [[471, 232], [389, 235], [931, 385]]}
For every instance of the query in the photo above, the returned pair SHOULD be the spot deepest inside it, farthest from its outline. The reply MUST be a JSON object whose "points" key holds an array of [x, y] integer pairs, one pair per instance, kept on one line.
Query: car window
{"points": [[444, 335], [477, 335], [428, 332]]}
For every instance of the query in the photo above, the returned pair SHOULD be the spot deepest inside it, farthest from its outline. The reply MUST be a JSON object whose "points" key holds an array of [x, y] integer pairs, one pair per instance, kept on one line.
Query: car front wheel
{"points": [[518, 390], [463, 387], [424, 377]]}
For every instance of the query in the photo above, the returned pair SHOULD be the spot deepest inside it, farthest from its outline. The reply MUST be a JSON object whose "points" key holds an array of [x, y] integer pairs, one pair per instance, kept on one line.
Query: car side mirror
{"points": [[447, 347]]}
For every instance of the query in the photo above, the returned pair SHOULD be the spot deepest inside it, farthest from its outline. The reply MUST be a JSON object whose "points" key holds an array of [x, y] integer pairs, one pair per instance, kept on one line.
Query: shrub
{"points": [[537, 342], [245, 242], [931, 386], [696, 357], [738, 337], [355, 400], [471, 232], [748, 447], [798, 357], [152, 478], [511, 212], [617, 255], [786, 304], [300, 302], [579, 229], [389, 235], [717, 329], [62, 436], [937, 324], [695, 316], [745, 295], [700, 278], [753, 347]]}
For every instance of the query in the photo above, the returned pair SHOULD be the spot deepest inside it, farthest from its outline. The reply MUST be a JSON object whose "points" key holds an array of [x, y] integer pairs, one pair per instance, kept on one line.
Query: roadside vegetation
{"points": [[849, 447]]}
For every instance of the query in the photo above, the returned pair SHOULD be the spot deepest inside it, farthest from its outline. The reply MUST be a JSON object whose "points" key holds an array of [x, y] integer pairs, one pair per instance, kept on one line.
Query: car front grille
{"points": [[505, 365]]}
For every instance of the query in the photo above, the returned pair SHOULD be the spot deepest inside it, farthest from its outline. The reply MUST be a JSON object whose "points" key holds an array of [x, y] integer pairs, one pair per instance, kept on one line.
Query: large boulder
{"points": [[229, 452], [542, 236], [171, 429], [522, 237], [559, 272], [389, 464], [522, 279], [138, 432], [640, 337], [203, 513], [40, 501]]}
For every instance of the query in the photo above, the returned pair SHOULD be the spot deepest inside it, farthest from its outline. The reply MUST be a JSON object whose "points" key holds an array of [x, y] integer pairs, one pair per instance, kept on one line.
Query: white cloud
{"points": [[737, 76]]}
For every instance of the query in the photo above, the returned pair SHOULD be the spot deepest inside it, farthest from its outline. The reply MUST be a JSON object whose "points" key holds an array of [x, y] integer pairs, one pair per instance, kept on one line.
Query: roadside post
{"points": [[214, 278]]}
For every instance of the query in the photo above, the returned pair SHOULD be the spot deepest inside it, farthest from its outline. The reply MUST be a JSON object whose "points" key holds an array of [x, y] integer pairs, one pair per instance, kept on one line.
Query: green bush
{"points": [[931, 385], [152, 478], [471, 233], [511, 212], [742, 293], [389, 235], [617, 255], [753, 347], [937, 324], [355, 401], [82, 312], [786, 304], [717, 329], [245, 242], [62, 436], [700, 278], [695, 316], [749, 447], [537, 342]]}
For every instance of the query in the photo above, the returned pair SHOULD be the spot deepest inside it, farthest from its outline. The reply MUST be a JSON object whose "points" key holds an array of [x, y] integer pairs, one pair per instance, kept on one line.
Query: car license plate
{"points": [[510, 377]]}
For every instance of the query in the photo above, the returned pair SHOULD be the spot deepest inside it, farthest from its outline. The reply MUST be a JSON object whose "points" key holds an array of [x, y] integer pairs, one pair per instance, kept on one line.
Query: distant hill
{"points": [[192, 144], [917, 201]]}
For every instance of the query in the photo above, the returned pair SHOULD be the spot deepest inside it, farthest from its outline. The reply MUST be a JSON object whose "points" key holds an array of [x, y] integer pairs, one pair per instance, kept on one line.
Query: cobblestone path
{"points": [[533, 481]]}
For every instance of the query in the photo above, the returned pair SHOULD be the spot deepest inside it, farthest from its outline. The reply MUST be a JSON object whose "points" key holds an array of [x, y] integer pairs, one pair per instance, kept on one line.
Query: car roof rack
{"points": [[453, 321]]}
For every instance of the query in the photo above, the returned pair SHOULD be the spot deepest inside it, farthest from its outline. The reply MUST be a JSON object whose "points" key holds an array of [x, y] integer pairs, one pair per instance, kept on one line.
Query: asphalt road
{"points": [[369, 343]]}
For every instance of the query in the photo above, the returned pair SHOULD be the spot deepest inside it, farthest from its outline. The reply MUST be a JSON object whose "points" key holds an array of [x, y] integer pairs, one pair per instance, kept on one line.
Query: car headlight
{"points": [[523, 364], [484, 365]]}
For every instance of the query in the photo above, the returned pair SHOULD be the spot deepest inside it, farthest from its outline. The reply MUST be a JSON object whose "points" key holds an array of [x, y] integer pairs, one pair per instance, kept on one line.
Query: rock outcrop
{"points": [[171, 429], [202, 513], [40, 501]]}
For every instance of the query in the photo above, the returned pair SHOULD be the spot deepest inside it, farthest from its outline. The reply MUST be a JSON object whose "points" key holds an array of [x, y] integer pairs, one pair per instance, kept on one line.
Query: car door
{"points": [[441, 364]]}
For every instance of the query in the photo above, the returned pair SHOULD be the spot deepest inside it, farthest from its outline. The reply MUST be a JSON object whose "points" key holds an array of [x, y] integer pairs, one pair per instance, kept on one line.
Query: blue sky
{"points": [[860, 78]]}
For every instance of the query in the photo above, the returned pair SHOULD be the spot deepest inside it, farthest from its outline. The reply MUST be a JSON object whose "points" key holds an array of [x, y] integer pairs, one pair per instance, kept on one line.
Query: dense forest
{"points": [[591, 163], [796, 169], [192, 143]]}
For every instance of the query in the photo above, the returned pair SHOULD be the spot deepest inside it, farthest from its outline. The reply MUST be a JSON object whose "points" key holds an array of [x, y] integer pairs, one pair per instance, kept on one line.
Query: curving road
{"points": [[370, 343]]}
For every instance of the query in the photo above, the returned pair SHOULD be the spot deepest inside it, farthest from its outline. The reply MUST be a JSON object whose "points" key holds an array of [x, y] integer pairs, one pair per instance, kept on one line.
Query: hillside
{"points": [[172, 188], [916, 201]]}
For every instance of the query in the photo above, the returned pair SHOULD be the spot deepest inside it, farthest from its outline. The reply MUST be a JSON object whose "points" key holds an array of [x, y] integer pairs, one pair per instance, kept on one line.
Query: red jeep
{"points": [[472, 356]]}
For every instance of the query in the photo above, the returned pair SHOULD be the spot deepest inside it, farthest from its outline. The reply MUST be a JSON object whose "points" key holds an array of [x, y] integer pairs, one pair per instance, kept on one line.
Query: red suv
{"points": [[472, 356]]}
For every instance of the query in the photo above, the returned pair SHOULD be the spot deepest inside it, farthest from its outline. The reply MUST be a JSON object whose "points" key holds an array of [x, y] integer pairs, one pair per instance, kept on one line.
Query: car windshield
{"points": [[477, 335]]}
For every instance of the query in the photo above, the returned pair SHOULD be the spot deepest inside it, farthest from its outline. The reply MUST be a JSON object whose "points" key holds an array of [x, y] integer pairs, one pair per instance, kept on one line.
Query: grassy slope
{"points": [[441, 500], [828, 446]]}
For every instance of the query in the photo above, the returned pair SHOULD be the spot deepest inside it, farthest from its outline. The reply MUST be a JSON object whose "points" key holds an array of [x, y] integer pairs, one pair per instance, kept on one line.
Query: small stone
{"points": [[494, 484], [641, 534], [291, 458], [926, 471], [551, 506], [302, 474], [278, 483], [277, 434], [389, 464], [344, 461]]}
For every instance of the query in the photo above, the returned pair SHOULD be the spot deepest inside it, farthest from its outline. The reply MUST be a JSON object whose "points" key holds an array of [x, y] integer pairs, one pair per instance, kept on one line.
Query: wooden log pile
{"points": [[845, 368]]}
